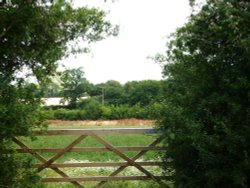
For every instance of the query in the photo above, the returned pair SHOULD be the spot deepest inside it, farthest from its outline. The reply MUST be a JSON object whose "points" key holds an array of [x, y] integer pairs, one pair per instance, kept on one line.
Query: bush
{"points": [[119, 112], [65, 114], [19, 114], [126, 112], [48, 114], [93, 110], [21, 174], [154, 110], [206, 120], [106, 112]]}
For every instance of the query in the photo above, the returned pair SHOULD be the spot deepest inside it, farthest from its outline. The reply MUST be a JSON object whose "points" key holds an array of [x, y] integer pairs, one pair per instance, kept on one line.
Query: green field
{"points": [[116, 140]]}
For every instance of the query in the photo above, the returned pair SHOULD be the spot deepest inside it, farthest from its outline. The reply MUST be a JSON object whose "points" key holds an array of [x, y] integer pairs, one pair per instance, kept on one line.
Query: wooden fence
{"points": [[96, 134]]}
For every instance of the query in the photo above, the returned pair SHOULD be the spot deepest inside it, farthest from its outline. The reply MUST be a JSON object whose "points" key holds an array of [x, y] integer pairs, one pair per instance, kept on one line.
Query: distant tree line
{"points": [[109, 100]]}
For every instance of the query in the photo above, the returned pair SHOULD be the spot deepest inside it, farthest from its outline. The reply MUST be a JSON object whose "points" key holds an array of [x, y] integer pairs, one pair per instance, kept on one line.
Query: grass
{"points": [[116, 140]]}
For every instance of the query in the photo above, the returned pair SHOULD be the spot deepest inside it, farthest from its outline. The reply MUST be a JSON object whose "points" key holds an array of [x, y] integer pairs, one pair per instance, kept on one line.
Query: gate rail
{"points": [[95, 133]]}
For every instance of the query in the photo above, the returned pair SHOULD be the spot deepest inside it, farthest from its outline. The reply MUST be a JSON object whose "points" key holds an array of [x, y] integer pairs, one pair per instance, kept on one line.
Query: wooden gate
{"points": [[95, 133]]}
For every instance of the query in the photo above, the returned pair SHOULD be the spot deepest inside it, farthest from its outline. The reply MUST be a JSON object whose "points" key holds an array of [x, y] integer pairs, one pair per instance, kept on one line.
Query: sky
{"points": [[144, 28]]}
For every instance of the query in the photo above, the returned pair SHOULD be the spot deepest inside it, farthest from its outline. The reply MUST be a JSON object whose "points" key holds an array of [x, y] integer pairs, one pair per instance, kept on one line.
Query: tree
{"points": [[113, 92], [206, 117], [142, 92], [74, 85], [53, 87], [34, 35]]}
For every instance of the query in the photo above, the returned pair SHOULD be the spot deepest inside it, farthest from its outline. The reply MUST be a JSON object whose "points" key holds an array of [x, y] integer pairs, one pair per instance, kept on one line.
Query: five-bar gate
{"points": [[96, 134]]}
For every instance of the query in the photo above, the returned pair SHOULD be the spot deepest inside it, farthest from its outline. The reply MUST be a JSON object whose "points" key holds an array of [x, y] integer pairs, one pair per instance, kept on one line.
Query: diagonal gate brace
{"points": [[58, 155], [42, 159], [134, 158], [130, 161]]}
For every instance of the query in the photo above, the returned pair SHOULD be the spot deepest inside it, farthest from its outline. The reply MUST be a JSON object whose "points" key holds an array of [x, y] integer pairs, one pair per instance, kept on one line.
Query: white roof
{"points": [[55, 101]]}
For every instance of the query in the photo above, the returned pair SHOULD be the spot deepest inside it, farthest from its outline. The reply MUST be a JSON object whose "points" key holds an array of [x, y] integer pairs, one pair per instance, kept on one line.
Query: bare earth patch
{"points": [[123, 122]]}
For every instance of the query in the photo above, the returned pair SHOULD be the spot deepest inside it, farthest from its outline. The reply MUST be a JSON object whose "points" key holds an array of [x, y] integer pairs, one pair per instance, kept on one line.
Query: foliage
{"points": [[126, 112], [34, 35], [21, 174], [113, 92], [154, 110], [91, 109], [137, 99], [206, 117], [74, 85], [142, 92], [65, 114], [53, 87], [18, 102], [18, 115]]}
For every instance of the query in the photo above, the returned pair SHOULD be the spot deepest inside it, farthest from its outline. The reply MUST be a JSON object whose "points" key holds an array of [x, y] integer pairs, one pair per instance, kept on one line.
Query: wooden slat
{"points": [[108, 147], [93, 149], [58, 155], [134, 158], [101, 164], [101, 178], [130, 161], [96, 131], [42, 159]]}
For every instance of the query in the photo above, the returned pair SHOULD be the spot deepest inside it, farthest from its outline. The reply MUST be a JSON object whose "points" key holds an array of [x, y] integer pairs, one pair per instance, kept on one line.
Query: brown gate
{"points": [[95, 133]]}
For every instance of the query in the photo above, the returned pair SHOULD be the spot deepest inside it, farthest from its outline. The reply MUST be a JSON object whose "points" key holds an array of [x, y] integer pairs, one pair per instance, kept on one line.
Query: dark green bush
{"points": [[48, 114], [34, 36], [93, 110], [119, 112], [206, 119], [137, 111], [154, 110], [21, 174], [19, 114], [65, 114]]}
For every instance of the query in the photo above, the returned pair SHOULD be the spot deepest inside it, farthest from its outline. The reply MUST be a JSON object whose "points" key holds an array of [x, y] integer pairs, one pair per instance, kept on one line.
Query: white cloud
{"points": [[144, 25]]}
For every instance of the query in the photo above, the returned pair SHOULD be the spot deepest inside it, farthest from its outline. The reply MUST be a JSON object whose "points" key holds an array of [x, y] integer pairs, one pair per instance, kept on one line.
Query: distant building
{"points": [[56, 101]]}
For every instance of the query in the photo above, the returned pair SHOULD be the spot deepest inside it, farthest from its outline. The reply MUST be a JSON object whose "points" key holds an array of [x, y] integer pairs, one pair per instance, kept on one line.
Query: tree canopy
{"points": [[206, 117], [74, 85], [34, 35]]}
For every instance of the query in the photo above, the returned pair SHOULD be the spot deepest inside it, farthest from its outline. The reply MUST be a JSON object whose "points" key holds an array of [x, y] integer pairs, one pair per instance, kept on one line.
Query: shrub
{"points": [[206, 120], [21, 174], [92, 110], [106, 112], [65, 114], [19, 114]]}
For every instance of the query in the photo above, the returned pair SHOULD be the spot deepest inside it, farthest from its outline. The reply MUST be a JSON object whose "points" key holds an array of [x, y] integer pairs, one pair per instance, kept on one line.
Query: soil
{"points": [[105, 122]]}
